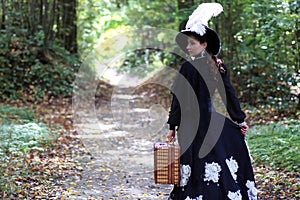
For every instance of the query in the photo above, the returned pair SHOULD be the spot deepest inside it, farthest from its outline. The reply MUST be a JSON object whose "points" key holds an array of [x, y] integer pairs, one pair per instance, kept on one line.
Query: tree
{"points": [[260, 41], [38, 41], [53, 20]]}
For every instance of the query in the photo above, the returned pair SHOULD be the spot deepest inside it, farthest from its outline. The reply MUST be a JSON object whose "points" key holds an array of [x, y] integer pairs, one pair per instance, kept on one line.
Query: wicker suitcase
{"points": [[166, 163]]}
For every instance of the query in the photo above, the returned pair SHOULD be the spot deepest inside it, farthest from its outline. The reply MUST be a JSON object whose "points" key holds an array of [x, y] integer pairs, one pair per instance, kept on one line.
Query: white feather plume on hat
{"points": [[200, 17]]}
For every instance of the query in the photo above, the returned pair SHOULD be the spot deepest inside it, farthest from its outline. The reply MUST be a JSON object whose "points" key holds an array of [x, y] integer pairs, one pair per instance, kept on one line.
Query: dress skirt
{"points": [[224, 173]]}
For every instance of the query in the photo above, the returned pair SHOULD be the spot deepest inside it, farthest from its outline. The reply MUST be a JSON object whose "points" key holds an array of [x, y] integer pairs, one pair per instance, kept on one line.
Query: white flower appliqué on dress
{"points": [[197, 198], [252, 192], [235, 195], [212, 172], [233, 167], [185, 172]]}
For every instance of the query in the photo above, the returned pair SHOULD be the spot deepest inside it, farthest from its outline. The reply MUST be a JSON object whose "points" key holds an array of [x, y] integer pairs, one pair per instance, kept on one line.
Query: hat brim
{"points": [[212, 39]]}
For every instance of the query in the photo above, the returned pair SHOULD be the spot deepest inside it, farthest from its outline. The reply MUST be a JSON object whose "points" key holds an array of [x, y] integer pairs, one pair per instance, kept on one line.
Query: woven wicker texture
{"points": [[166, 163]]}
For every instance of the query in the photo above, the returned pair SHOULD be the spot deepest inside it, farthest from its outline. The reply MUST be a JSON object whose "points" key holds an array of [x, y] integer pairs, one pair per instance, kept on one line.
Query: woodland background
{"points": [[260, 44], [44, 42]]}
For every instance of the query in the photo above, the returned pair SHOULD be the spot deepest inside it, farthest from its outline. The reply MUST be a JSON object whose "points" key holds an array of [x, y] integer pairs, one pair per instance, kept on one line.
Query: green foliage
{"points": [[32, 73], [260, 41], [143, 62], [276, 145], [34, 61], [94, 19], [20, 134], [17, 114], [268, 58], [99, 20], [151, 13], [19, 139]]}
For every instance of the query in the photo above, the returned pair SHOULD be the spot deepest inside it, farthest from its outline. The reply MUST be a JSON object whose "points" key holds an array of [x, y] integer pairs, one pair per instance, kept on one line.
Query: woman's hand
{"points": [[219, 61], [244, 128], [219, 64], [171, 136]]}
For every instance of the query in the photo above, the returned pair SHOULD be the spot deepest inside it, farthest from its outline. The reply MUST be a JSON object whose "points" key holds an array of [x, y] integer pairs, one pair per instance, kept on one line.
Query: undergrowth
{"points": [[21, 137], [276, 145]]}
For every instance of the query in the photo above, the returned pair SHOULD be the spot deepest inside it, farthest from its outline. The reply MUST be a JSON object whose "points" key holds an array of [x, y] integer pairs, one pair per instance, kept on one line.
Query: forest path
{"points": [[120, 142]]}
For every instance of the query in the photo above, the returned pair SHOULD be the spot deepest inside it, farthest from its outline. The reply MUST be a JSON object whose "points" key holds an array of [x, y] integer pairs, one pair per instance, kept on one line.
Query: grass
{"points": [[276, 145]]}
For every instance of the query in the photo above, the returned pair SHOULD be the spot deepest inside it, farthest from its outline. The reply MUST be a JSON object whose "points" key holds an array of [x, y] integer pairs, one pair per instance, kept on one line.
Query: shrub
{"points": [[20, 137], [31, 72], [276, 145]]}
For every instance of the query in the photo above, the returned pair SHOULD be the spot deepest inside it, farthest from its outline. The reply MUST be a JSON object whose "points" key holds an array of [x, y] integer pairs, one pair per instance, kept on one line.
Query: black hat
{"points": [[197, 25], [211, 37]]}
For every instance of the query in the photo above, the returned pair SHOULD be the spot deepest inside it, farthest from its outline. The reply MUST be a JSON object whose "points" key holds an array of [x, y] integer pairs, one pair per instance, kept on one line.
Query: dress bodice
{"points": [[194, 88]]}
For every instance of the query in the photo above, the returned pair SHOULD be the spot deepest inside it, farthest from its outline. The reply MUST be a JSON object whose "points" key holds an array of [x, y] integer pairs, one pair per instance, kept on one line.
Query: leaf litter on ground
{"points": [[68, 170]]}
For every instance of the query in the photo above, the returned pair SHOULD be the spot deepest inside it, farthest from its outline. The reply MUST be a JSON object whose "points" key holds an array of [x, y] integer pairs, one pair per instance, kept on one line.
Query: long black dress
{"points": [[215, 161]]}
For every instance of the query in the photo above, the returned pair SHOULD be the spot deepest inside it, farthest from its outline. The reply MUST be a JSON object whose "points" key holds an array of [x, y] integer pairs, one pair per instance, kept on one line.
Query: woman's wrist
{"points": [[242, 124], [171, 136]]}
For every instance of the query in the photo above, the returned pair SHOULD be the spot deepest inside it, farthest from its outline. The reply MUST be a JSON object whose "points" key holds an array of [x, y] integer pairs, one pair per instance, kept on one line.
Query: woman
{"points": [[215, 162]]}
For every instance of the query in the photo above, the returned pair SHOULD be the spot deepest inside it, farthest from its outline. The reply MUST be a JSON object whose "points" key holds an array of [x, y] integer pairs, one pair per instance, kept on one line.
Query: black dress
{"points": [[215, 161]]}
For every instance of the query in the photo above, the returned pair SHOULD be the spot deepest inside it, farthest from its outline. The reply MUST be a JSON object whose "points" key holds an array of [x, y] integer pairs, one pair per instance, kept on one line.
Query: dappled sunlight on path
{"points": [[120, 163]]}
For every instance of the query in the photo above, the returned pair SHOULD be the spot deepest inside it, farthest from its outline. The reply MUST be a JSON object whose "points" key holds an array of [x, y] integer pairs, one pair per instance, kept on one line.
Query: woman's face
{"points": [[194, 47]]}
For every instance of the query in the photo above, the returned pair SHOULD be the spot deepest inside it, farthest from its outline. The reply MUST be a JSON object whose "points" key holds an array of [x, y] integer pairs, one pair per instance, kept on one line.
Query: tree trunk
{"points": [[69, 25], [2, 23], [51, 32]]}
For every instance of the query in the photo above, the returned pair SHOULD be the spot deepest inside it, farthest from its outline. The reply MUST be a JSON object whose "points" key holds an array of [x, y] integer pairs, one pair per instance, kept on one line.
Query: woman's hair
{"points": [[215, 66], [201, 39], [213, 59], [196, 36]]}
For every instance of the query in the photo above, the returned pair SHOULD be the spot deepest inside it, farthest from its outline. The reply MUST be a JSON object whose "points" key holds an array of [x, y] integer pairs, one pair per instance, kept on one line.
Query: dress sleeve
{"points": [[183, 87], [229, 97], [174, 114]]}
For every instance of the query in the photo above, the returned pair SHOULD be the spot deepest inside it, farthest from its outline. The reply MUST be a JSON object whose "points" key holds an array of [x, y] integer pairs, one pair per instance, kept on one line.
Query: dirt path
{"points": [[120, 141], [119, 164]]}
